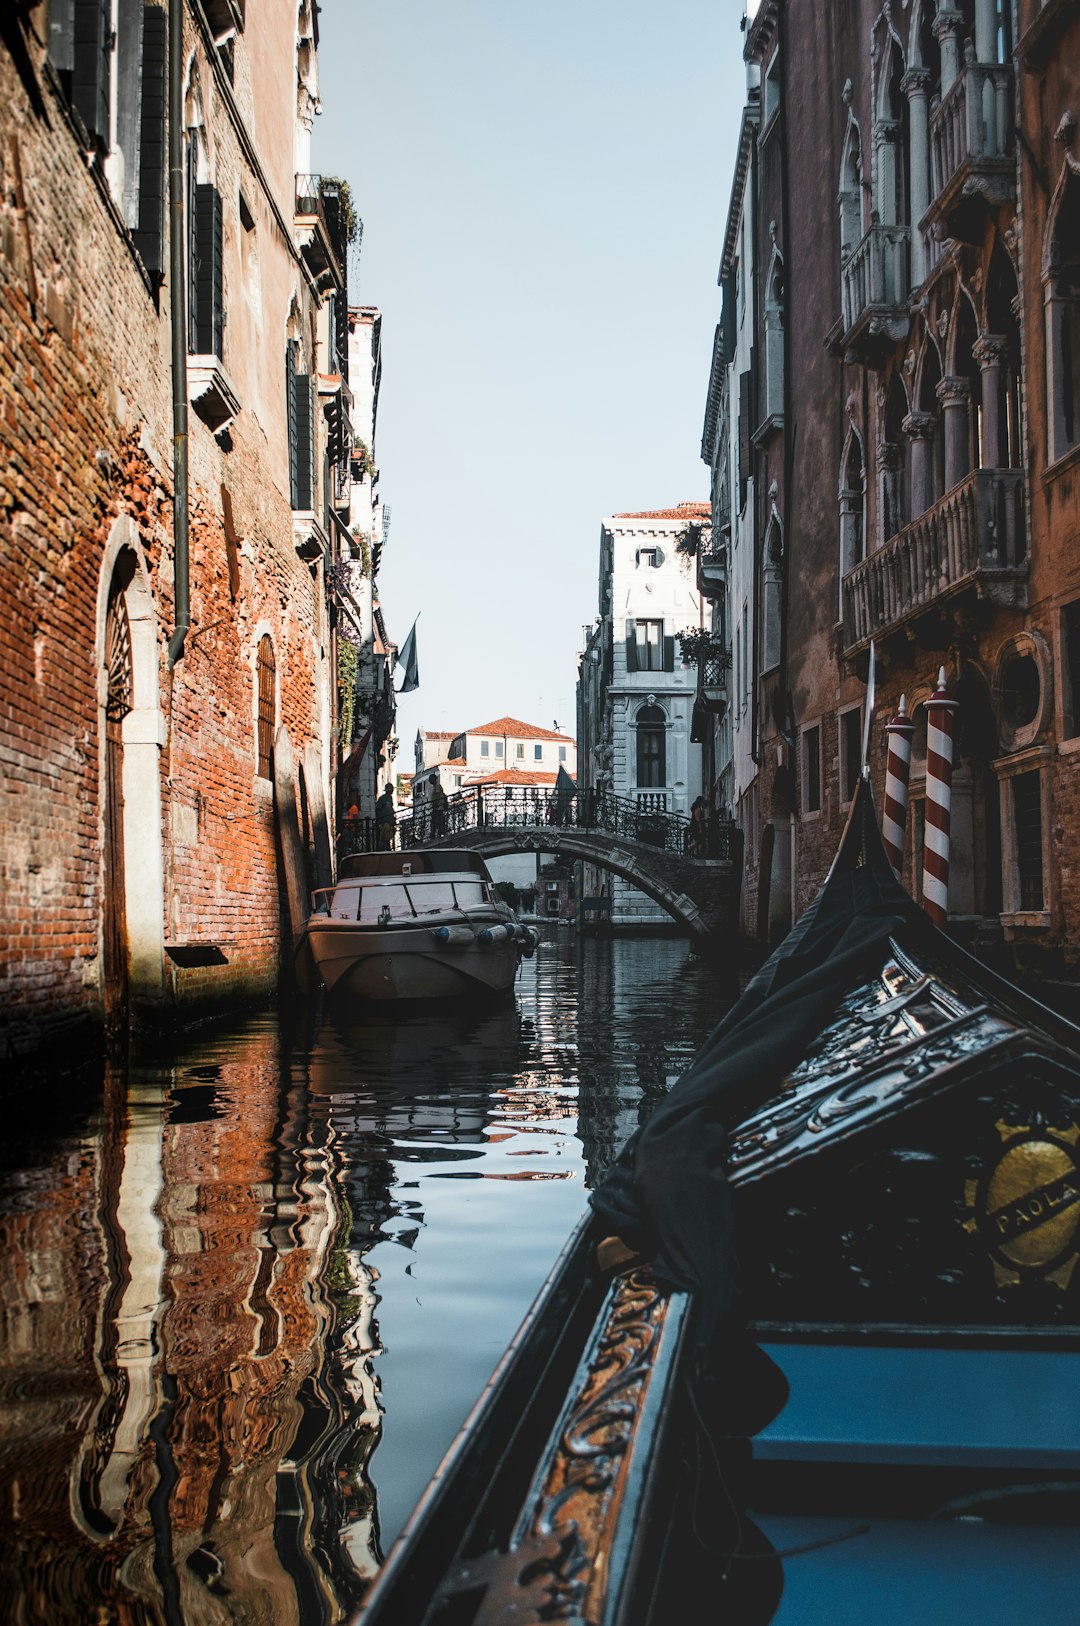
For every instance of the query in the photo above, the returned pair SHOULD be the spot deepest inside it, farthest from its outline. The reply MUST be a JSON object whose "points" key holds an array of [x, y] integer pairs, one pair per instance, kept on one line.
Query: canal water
{"points": [[249, 1297]]}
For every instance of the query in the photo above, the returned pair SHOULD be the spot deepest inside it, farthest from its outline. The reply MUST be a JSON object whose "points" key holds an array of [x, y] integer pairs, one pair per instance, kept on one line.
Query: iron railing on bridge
{"points": [[642, 817]]}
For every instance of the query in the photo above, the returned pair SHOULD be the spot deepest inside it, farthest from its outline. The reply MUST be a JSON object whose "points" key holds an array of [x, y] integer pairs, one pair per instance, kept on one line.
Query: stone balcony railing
{"points": [[973, 536], [712, 569], [971, 136], [875, 283]]}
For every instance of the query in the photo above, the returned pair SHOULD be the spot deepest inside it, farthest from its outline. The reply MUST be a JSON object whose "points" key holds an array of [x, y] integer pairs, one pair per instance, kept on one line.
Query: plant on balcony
{"points": [[350, 220], [348, 661], [362, 461], [690, 542], [695, 642], [362, 541]]}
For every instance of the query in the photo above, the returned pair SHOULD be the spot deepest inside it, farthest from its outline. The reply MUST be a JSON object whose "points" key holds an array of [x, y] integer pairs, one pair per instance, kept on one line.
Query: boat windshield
{"points": [[350, 900]]}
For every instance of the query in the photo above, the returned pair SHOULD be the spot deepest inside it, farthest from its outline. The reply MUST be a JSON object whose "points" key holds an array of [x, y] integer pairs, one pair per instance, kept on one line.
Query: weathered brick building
{"points": [[893, 436], [175, 456]]}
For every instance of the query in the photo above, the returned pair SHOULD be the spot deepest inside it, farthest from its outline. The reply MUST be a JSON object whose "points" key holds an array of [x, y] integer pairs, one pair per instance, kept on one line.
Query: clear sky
{"points": [[544, 190]]}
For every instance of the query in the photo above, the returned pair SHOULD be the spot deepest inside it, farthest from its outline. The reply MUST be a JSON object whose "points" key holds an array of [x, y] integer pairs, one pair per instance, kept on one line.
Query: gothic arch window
{"points": [[851, 183], [651, 748], [1000, 363], [890, 125], [852, 503], [1061, 296], [266, 706], [772, 559], [966, 366], [894, 472], [774, 331], [930, 406]]}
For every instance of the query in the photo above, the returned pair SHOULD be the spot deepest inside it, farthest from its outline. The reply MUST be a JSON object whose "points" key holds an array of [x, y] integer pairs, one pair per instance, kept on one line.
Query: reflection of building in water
{"points": [[200, 1453]]}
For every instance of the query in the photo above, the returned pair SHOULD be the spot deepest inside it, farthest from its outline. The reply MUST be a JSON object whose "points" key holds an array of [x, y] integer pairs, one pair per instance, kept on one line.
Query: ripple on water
{"points": [[254, 1292]]}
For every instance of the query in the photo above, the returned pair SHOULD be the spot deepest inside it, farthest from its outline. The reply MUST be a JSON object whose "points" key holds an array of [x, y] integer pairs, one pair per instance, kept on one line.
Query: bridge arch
{"points": [[698, 896]]}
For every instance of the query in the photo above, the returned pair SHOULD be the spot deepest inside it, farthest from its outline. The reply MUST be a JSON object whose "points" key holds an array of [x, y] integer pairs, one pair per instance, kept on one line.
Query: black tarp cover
{"points": [[667, 1194]]}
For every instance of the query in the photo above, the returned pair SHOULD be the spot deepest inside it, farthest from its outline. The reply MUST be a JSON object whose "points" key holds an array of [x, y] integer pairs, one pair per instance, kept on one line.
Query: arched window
{"points": [[774, 332], [894, 487], [266, 680], [772, 556], [852, 504], [851, 184], [651, 749], [890, 129], [1061, 285]]}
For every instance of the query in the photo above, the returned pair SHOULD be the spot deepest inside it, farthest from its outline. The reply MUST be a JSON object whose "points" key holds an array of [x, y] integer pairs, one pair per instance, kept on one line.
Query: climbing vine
{"points": [[347, 664]]}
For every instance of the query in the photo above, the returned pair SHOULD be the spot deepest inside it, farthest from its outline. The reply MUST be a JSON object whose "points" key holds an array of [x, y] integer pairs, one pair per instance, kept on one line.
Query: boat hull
{"points": [[408, 965]]}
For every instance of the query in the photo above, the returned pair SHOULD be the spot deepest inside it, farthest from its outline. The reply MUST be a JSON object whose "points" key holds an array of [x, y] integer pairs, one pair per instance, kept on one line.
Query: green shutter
{"points": [[149, 234]]}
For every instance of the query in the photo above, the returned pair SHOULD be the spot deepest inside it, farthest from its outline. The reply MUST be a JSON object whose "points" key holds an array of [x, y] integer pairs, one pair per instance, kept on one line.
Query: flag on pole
{"points": [[407, 658]]}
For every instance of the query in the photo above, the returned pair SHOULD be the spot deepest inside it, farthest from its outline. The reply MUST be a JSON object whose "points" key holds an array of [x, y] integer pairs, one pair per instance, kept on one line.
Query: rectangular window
{"points": [[850, 751], [520, 751], [498, 748], [485, 748], [811, 769], [1027, 824], [300, 404], [562, 753], [538, 753], [649, 638], [1070, 638]]}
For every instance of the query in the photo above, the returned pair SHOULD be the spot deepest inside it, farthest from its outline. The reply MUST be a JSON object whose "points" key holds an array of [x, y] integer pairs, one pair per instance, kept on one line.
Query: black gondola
{"points": [[849, 1235]]}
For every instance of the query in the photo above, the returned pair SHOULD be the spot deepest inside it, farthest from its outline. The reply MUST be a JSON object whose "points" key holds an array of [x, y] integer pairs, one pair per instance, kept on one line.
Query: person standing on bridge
{"points": [[438, 809], [385, 820]]}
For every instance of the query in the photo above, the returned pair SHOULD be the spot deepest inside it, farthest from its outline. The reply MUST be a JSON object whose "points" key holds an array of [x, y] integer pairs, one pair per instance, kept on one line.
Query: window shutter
{"points": [[129, 80], [91, 56], [631, 646], [149, 232], [669, 654], [304, 388], [290, 412], [658, 557], [727, 319], [744, 434], [209, 313], [62, 35]]}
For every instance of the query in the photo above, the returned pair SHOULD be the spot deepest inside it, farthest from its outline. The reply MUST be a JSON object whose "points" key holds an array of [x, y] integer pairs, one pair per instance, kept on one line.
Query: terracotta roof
{"points": [[685, 510], [511, 776], [519, 731]]}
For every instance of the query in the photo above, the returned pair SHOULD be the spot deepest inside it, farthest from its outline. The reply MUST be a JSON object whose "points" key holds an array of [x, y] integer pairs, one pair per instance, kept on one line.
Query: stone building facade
{"points": [[637, 697], [175, 444], [890, 425]]}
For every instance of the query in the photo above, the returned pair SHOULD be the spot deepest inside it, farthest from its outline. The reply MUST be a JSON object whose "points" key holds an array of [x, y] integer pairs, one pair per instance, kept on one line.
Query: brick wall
{"points": [[85, 443]]}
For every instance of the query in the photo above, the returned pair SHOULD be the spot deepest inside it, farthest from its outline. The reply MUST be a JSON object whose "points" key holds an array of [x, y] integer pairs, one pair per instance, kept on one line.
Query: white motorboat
{"points": [[416, 925]]}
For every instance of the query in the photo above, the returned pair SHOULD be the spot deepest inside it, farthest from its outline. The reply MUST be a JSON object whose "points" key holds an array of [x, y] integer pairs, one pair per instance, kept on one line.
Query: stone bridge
{"points": [[691, 872]]}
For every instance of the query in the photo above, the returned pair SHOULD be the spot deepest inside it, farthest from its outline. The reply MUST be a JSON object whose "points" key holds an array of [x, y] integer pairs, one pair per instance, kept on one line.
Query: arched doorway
{"points": [[118, 704], [131, 735]]}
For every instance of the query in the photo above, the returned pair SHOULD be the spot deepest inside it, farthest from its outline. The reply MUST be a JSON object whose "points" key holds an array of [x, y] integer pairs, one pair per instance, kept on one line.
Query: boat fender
{"points": [[494, 934], [527, 938], [455, 936]]}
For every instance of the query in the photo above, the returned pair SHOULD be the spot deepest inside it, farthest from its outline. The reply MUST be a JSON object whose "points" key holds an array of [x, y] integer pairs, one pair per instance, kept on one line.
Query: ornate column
{"points": [[991, 352], [916, 87], [954, 395], [889, 463], [886, 136], [947, 25], [919, 429], [985, 31]]}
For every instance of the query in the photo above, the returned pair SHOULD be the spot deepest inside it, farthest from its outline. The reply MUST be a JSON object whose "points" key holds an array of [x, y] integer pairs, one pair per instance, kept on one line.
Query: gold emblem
{"points": [[1027, 1207]]}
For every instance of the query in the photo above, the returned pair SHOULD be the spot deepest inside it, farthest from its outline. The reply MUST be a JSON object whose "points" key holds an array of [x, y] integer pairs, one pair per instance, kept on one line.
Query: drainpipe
{"points": [[178, 322]]}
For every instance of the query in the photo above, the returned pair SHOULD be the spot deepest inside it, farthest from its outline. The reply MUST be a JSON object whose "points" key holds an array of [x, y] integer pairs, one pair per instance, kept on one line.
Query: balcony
{"points": [[321, 229], [875, 283], [714, 663], [712, 566], [971, 147], [971, 537]]}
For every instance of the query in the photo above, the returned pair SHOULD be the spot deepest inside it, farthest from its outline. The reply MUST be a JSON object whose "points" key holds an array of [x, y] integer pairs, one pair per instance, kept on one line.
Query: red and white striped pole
{"points": [[940, 715], [894, 812]]}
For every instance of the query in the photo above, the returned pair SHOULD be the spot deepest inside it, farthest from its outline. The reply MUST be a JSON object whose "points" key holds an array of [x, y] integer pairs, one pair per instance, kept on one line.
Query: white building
{"points": [[636, 696]]}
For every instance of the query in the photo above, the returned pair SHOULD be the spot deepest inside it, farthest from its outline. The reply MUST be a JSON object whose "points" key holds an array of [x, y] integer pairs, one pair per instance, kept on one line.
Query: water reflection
{"points": [[247, 1299]]}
